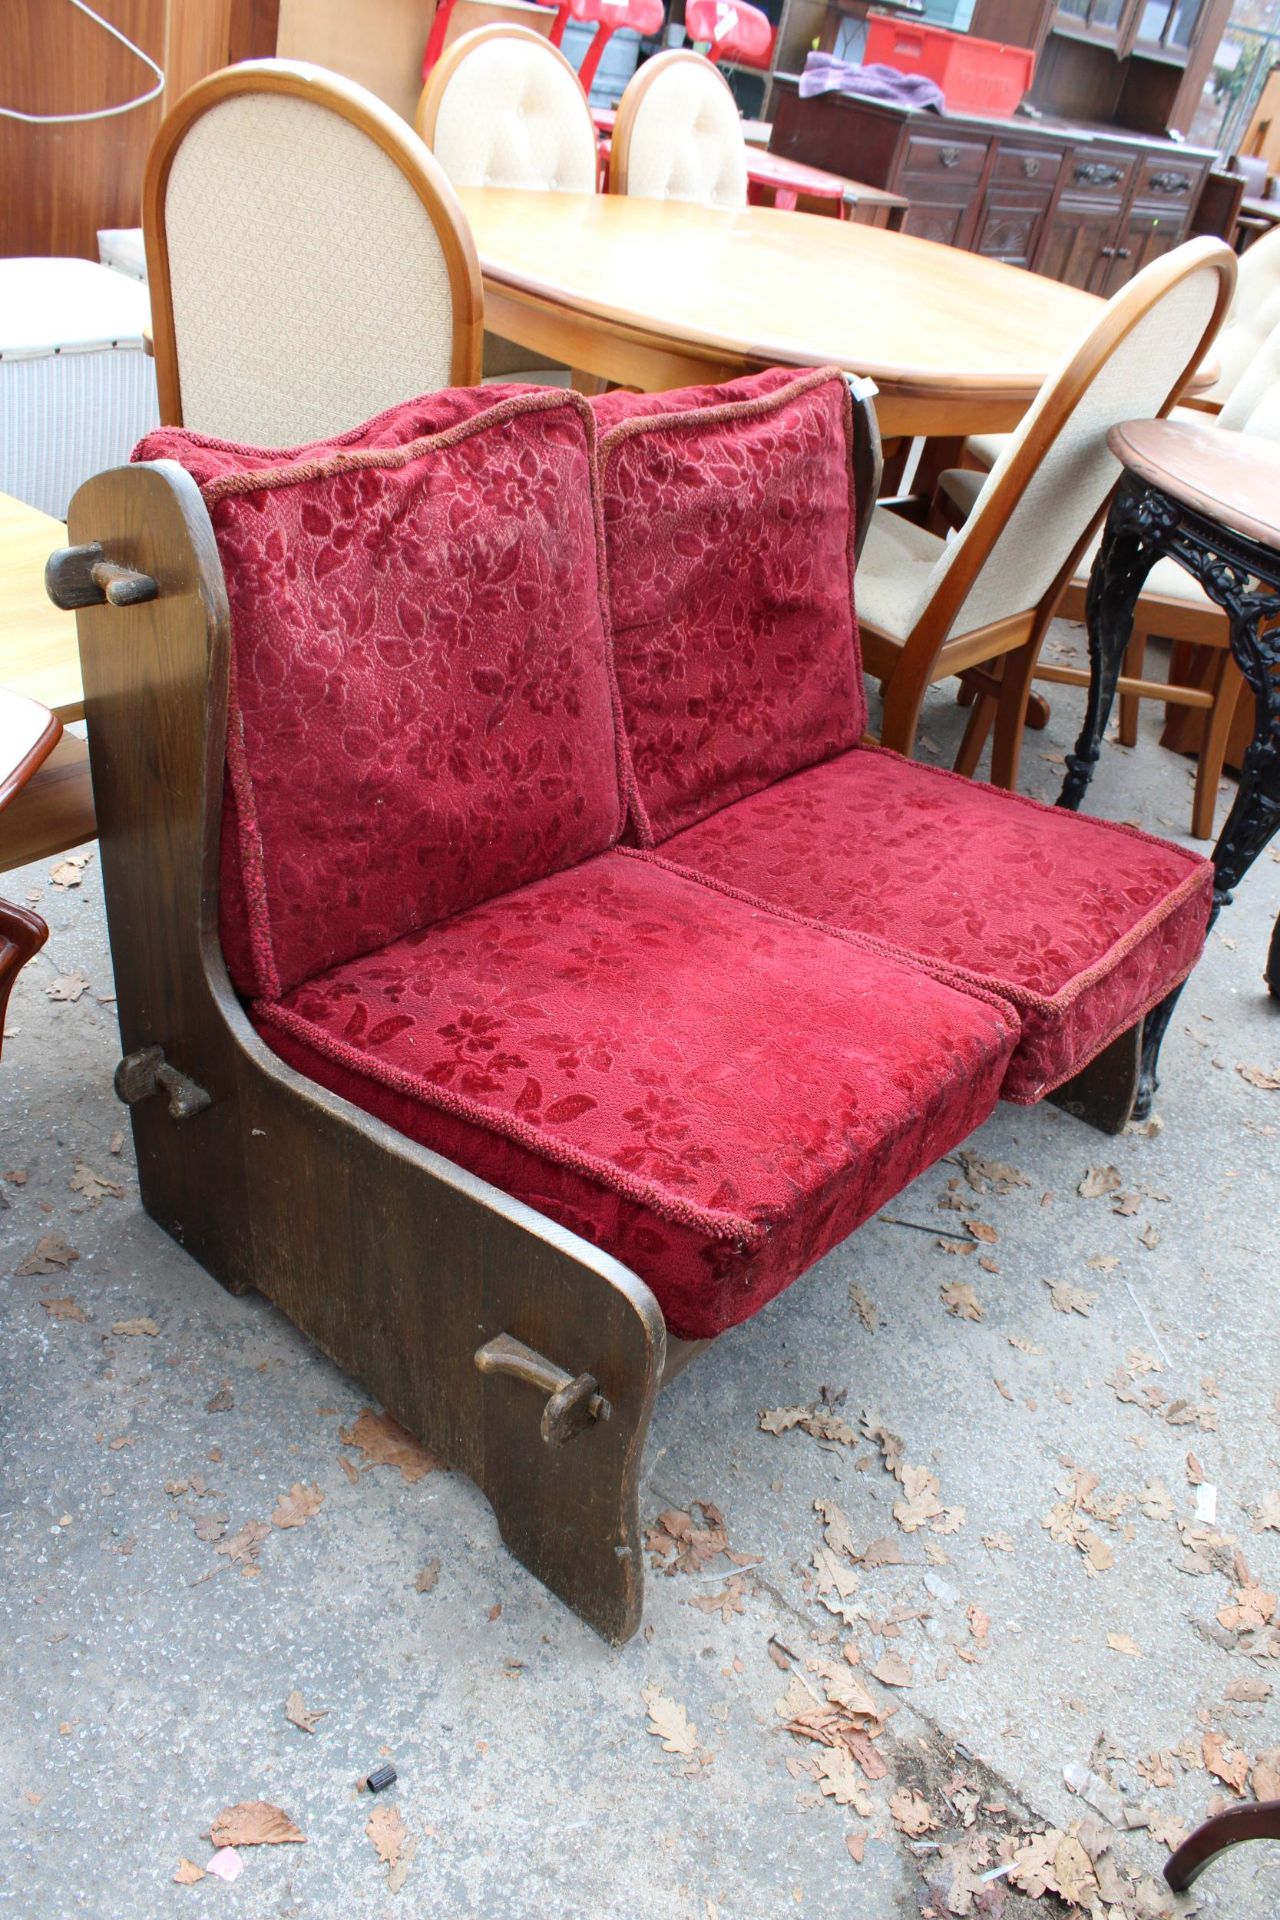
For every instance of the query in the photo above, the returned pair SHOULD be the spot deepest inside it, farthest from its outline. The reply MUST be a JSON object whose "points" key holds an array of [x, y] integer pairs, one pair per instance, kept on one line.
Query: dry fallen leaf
{"points": [[295, 1508], [1097, 1181], [50, 1254], [911, 1813], [982, 1174], [997, 1542], [1256, 1077], [386, 1829], [857, 1845], [1265, 1778], [891, 1670], [1250, 1688], [132, 1329], [1268, 1514], [979, 1624], [241, 1549], [669, 1723], [186, 1873], [254, 1823], [93, 1186], [1069, 1299], [1121, 1643], [385, 1443], [64, 1309], [426, 1580], [1231, 1767], [70, 872], [959, 1299], [68, 986], [839, 1779], [300, 1715], [864, 1306]]}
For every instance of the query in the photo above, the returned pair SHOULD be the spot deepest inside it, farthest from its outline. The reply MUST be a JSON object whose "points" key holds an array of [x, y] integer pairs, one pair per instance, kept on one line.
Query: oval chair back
{"points": [[678, 135], [731, 29], [309, 262], [503, 108]]}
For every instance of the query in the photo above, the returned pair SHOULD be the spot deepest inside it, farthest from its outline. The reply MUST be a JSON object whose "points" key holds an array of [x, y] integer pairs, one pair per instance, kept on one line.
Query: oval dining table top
{"points": [[630, 288]]}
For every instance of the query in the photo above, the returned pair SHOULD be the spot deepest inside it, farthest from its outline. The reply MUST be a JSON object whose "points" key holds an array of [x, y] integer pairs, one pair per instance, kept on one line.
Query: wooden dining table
{"points": [[660, 293]]}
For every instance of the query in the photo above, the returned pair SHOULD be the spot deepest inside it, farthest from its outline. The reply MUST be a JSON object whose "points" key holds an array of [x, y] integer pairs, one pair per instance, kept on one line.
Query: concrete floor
{"points": [[144, 1676]]}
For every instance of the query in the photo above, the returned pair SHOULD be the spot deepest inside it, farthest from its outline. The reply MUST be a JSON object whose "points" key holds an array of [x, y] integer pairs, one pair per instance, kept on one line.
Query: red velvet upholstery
{"points": [[728, 516], [422, 707], [1081, 924], [715, 1093]]}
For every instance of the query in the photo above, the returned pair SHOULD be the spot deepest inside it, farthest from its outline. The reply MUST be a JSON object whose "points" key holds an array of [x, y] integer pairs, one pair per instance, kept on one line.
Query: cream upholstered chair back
{"points": [[1252, 317], [1041, 499], [503, 108], [1254, 403], [309, 261], [678, 135]]}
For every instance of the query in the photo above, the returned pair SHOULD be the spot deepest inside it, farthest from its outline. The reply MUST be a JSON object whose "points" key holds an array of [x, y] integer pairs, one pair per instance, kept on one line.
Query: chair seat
{"points": [[713, 1092], [1081, 924], [895, 573]]}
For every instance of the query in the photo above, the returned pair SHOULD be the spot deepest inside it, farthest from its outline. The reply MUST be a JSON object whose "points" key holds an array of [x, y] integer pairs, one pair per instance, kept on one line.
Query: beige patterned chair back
{"points": [[679, 136], [503, 108], [1252, 317], [1254, 402], [1054, 474], [309, 261]]}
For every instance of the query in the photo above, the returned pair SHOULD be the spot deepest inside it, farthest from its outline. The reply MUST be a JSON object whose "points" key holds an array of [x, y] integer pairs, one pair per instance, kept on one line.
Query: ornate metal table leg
{"points": [[1255, 816], [1133, 541]]}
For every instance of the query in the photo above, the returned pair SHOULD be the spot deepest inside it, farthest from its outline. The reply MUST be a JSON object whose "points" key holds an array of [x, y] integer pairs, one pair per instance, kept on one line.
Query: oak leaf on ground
{"points": [[385, 1443], [254, 1823]]}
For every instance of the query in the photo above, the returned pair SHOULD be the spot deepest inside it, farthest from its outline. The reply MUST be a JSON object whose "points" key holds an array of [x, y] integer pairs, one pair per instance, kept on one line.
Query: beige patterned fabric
{"points": [[1066, 490], [1252, 317], [513, 115], [686, 139], [309, 285]]}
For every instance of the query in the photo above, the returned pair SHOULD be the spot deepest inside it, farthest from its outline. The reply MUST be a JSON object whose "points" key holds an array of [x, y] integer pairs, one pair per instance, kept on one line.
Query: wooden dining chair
{"points": [[678, 135], [928, 607], [308, 259], [28, 735], [503, 108]]}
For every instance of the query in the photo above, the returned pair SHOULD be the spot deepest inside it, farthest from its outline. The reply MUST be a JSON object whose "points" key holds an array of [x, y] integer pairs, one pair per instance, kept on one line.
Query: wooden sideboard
{"points": [[1086, 208]]}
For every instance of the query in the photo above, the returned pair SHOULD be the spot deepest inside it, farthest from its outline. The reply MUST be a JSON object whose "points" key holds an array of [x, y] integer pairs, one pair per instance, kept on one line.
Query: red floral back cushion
{"points": [[728, 516], [422, 711]]}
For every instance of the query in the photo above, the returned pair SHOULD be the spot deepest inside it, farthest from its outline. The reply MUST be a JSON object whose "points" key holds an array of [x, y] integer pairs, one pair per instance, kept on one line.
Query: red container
{"points": [[977, 76]]}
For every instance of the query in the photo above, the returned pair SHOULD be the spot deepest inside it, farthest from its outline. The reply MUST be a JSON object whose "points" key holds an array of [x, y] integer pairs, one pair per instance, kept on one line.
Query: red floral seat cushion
{"points": [[422, 708], [729, 523], [710, 1091], [1080, 924]]}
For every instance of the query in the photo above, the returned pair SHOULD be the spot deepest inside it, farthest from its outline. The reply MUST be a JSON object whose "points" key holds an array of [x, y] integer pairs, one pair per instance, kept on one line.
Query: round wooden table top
{"points": [[1230, 478], [953, 341]]}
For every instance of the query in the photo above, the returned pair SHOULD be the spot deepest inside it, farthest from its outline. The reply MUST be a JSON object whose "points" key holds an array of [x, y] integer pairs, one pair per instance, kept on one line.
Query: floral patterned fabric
{"points": [[422, 708], [1081, 924], [728, 515], [710, 1091]]}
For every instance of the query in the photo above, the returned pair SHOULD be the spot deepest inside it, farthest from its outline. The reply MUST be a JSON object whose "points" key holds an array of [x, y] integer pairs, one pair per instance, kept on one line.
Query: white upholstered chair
{"points": [[309, 262], [678, 135], [929, 608], [1252, 317], [503, 108]]}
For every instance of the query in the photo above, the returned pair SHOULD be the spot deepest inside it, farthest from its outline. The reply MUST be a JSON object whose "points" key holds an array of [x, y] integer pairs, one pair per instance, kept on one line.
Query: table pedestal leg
{"points": [[1131, 545], [1255, 817]]}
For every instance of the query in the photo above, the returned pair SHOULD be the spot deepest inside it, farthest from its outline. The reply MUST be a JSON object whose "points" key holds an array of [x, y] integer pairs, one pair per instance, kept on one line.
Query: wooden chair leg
{"points": [[1228, 684], [1135, 660], [1015, 688], [1200, 1849], [981, 715]]}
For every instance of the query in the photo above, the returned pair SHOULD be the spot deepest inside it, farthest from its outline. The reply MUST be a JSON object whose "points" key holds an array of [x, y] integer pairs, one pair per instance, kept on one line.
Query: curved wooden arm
{"points": [[1261, 1821], [28, 735]]}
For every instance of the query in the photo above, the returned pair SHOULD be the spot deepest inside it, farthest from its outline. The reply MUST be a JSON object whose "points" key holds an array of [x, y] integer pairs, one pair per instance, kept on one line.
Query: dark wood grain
{"points": [[396, 1263]]}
